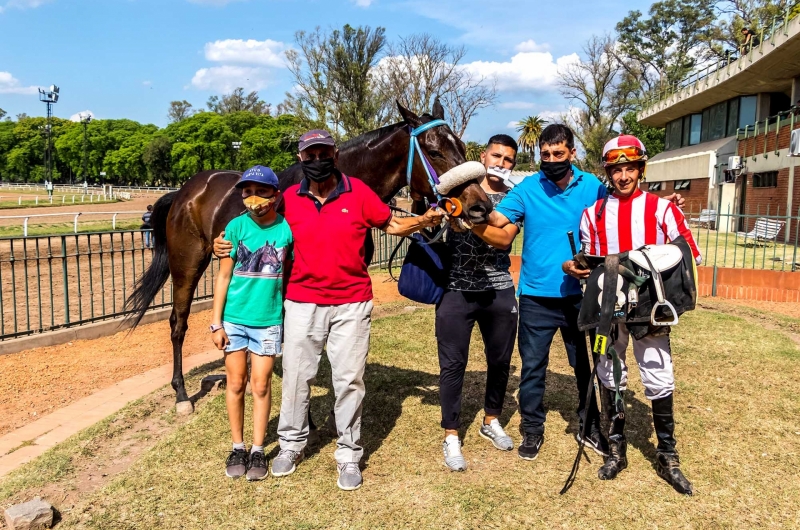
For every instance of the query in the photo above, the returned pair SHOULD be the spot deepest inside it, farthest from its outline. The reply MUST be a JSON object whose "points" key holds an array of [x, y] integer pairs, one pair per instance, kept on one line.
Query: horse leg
{"points": [[183, 294]]}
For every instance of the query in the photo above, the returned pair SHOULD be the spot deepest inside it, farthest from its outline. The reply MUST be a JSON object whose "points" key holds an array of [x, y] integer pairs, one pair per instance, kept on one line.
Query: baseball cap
{"points": [[316, 137], [259, 175]]}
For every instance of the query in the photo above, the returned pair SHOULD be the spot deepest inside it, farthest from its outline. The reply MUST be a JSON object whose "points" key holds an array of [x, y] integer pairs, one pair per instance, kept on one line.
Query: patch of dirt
{"points": [[790, 309], [766, 314], [98, 459], [39, 381], [136, 204]]}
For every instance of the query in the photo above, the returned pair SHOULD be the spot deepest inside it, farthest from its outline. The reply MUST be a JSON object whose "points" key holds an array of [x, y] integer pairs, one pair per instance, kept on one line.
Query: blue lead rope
{"points": [[433, 178]]}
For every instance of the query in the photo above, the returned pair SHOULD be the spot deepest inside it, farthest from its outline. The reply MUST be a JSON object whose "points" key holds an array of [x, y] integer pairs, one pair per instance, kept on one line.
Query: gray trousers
{"points": [[344, 330]]}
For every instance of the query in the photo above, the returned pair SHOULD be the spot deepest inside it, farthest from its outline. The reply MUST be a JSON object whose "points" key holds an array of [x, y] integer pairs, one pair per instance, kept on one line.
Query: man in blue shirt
{"points": [[550, 203]]}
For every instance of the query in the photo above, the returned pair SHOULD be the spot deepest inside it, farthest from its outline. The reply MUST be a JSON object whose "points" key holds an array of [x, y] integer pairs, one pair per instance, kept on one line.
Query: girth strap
{"points": [[602, 345]]}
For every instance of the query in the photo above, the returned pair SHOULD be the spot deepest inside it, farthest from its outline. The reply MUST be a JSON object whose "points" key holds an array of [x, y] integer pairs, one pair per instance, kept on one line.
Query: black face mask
{"points": [[318, 170], [556, 171]]}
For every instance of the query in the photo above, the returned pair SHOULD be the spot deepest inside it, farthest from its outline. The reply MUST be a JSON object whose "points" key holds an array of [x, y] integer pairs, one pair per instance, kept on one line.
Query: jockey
{"points": [[626, 220]]}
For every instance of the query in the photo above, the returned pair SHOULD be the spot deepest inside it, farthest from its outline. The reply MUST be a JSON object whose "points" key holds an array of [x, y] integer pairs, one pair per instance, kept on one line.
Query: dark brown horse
{"points": [[186, 222]]}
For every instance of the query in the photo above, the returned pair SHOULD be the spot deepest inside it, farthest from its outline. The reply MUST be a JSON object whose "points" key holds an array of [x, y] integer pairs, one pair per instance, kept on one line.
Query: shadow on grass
{"points": [[561, 396]]}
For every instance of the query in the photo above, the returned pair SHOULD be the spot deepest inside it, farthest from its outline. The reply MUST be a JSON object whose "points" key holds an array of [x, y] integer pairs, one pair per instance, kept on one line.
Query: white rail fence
{"points": [[78, 189], [74, 215], [90, 198]]}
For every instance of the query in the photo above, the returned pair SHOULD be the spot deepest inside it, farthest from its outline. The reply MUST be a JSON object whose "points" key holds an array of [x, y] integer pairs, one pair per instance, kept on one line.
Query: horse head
{"points": [[444, 150]]}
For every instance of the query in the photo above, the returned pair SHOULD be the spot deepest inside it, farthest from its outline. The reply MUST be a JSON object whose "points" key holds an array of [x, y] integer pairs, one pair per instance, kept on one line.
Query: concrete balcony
{"points": [[770, 66]]}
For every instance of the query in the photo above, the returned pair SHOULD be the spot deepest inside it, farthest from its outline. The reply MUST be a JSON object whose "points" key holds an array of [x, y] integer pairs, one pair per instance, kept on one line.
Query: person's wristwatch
{"points": [[215, 327]]}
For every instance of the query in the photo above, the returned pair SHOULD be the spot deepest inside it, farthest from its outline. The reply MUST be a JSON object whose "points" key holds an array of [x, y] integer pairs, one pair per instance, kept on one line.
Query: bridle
{"points": [[452, 206]]}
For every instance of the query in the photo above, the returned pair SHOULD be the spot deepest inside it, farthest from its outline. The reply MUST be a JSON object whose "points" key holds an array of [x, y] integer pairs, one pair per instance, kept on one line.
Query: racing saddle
{"points": [[652, 286]]}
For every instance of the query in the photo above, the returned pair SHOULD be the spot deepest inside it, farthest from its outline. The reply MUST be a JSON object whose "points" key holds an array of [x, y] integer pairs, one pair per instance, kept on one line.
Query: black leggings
{"points": [[496, 313]]}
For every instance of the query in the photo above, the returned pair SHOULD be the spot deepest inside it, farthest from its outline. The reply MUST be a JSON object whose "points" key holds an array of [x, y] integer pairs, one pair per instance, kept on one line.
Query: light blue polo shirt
{"points": [[548, 213]]}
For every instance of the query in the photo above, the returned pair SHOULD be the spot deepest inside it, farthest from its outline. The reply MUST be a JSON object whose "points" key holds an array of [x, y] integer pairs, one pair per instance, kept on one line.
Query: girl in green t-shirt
{"points": [[247, 315]]}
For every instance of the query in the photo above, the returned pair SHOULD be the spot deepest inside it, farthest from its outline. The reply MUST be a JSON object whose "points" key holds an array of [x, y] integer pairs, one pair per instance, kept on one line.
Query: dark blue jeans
{"points": [[539, 319]]}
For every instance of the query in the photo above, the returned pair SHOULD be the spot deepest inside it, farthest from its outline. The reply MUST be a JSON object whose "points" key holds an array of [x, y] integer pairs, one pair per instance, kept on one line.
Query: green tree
{"points": [[651, 137], [661, 50], [2, 113], [238, 101], [334, 85], [157, 158], [179, 110], [530, 129], [474, 150]]}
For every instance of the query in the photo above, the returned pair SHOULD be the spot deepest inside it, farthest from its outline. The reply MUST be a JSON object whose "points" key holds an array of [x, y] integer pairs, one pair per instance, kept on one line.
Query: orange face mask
{"points": [[255, 204]]}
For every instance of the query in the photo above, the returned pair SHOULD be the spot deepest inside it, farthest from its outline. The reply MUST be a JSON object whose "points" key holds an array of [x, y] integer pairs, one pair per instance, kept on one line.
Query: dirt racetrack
{"points": [[136, 204], [38, 381]]}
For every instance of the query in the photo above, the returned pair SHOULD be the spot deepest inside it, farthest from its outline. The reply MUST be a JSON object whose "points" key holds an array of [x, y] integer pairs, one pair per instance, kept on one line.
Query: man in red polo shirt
{"points": [[329, 299]]}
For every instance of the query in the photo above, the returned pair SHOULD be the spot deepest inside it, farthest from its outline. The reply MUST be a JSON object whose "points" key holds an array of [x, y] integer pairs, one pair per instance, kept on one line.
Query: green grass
{"points": [[736, 407], [50, 229], [730, 250]]}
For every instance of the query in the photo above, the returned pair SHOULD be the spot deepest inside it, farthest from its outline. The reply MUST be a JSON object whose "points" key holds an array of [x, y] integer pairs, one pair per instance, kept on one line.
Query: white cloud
{"points": [[525, 71], [512, 125], [531, 46], [11, 85], [517, 105], [267, 52], [227, 78], [78, 116], [22, 4], [147, 83], [363, 3]]}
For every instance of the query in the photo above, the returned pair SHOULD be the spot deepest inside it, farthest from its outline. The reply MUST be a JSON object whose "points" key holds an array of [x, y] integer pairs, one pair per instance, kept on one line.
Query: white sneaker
{"points": [[452, 453], [495, 433]]}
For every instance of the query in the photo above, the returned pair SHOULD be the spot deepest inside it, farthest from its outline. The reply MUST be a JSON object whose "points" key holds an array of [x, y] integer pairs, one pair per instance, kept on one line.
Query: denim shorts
{"points": [[265, 341]]}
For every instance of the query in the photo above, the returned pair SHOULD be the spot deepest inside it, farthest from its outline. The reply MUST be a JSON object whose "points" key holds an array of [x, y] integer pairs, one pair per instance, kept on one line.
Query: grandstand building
{"points": [[745, 106]]}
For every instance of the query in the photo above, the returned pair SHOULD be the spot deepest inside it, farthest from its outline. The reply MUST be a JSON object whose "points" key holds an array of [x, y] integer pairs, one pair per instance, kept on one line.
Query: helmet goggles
{"points": [[624, 154]]}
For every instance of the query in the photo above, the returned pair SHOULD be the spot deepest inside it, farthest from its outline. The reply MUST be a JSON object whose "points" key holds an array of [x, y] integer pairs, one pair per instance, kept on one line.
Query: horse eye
{"points": [[436, 154]]}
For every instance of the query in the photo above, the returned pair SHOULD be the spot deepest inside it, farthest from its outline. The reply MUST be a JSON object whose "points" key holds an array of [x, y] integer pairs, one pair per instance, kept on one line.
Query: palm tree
{"points": [[530, 129], [474, 150]]}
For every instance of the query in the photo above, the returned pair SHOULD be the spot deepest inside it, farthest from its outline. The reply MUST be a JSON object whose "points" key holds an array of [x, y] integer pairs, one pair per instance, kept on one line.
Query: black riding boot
{"points": [[668, 465], [617, 458]]}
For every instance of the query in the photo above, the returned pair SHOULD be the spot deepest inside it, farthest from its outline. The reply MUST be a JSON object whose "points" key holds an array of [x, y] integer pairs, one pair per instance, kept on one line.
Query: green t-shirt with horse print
{"points": [[255, 294]]}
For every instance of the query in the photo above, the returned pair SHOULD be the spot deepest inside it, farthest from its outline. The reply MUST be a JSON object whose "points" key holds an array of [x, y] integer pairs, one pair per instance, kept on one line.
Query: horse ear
{"points": [[409, 117], [438, 110]]}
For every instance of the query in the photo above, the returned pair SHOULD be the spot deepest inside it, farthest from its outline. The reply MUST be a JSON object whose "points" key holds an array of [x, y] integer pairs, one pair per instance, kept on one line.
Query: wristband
{"points": [[215, 327]]}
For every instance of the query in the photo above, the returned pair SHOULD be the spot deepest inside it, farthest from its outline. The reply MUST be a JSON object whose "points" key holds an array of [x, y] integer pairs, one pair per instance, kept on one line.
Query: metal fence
{"points": [[54, 282], [759, 238]]}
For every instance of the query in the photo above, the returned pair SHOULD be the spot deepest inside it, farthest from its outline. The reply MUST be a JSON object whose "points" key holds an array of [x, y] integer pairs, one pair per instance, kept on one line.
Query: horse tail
{"points": [[156, 275]]}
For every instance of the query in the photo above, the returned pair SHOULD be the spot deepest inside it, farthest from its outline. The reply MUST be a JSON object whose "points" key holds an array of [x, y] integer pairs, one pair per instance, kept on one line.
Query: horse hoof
{"points": [[184, 408]]}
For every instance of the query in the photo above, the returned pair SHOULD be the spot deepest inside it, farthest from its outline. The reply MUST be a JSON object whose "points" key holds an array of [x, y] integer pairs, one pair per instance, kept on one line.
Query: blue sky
{"points": [[130, 58]]}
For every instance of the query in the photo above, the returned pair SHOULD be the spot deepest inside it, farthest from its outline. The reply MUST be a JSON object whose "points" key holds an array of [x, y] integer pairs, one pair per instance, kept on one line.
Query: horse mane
{"points": [[370, 137]]}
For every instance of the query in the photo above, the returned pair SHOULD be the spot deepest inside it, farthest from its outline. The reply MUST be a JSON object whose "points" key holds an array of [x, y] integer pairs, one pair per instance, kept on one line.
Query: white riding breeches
{"points": [[655, 364]]}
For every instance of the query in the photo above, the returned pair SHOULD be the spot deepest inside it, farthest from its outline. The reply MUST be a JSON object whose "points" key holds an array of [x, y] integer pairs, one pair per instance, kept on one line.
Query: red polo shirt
{"points": [[329, 238]]}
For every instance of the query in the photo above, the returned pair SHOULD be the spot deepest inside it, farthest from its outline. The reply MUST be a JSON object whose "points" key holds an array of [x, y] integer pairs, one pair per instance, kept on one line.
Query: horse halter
{"points": [[433, 178]]}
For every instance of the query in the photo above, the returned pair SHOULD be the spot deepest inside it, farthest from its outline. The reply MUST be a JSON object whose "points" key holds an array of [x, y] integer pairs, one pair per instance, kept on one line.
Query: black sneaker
{"points": [[594, 440], [529, 448], [258, 466], [236, 464]]}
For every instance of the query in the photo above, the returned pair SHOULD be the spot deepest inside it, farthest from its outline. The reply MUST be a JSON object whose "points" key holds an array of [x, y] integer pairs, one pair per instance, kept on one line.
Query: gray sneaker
{"points": [[349, 476], [286, 462], [452, 454], [495, 433], [257, 470]]}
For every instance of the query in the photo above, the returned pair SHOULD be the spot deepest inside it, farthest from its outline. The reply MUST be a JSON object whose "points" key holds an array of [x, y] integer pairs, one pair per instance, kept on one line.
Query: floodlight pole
{"points": [[48, 97]]}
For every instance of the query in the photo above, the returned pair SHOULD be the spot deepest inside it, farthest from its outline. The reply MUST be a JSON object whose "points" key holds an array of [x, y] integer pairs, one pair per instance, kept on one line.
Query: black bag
{"points": [[425, 270]]}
